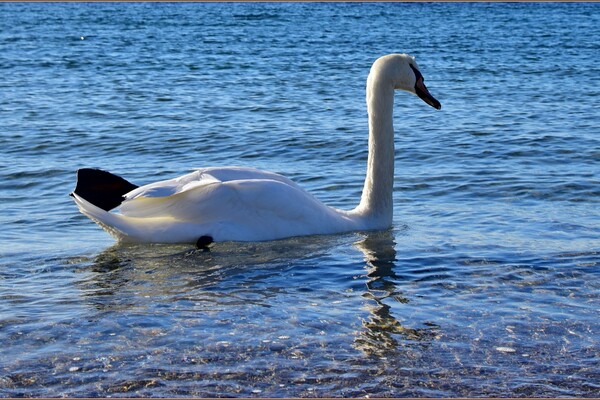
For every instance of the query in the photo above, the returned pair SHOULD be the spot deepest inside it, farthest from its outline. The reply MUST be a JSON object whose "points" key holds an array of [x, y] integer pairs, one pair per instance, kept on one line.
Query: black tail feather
{"points": [[101, 188]]}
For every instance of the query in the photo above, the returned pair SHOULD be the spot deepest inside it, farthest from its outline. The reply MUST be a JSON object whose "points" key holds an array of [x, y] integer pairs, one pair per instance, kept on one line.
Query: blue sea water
{"points": [[488, 284]]}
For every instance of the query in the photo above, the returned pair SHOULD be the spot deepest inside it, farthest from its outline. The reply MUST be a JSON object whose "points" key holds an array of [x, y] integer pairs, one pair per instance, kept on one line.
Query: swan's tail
{"points": [[114, 224], [132, 229], [100, 188], [97, 192]]}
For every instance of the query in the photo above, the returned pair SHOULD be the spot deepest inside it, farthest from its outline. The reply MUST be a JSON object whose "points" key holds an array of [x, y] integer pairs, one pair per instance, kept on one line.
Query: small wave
{"points": [[257, 16]]}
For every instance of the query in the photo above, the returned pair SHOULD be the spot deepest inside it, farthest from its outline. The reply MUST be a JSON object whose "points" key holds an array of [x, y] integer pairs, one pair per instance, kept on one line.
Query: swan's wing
{"points": [[170, 187], [201, 177], [161, 199], [226, 174], [237, 208], [209, 193]]}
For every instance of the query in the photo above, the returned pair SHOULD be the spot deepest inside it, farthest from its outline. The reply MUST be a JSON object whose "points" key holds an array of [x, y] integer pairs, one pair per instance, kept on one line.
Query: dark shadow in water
{"points": [[383, 332]]}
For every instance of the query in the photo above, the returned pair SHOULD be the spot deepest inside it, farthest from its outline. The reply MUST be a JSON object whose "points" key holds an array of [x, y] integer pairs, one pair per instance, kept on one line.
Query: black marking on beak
{"points": [[421, 90]]}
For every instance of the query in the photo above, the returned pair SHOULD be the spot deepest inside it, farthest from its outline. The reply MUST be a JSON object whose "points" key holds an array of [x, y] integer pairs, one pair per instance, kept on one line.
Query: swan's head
{"points": [[402, 72]]}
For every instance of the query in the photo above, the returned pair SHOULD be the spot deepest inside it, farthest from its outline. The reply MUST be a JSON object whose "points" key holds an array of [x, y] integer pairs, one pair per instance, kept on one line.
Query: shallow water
{"points": [[487, 284]]}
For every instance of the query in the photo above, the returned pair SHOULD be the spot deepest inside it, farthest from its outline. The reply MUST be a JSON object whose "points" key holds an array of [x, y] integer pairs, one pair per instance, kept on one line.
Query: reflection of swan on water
{"points": [[136, 272], [127, 275], [244, 204], [382, 328]]}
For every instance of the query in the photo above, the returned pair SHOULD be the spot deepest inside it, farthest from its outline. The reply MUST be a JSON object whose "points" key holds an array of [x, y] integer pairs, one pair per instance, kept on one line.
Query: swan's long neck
{"points": [[376, 202]]}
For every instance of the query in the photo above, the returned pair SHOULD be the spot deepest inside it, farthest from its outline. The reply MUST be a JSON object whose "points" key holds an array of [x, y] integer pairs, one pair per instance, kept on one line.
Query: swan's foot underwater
{"points": [[203, 242]]}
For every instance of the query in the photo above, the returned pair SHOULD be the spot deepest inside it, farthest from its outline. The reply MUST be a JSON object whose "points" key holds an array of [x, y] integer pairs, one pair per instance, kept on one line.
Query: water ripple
{"points": [[487, 284]]}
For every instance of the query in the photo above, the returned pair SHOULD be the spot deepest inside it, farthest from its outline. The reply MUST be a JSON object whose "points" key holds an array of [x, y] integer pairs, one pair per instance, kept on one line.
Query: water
{"points": [[487, 284]]}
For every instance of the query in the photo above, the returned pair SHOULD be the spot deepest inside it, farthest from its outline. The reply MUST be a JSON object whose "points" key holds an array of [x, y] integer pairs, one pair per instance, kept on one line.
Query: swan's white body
{"points": [[229, 203], [245, 204]]}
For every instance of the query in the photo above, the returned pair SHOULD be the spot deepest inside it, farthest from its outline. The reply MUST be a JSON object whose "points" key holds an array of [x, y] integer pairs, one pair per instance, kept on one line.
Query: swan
{"points": [[245, 204]]}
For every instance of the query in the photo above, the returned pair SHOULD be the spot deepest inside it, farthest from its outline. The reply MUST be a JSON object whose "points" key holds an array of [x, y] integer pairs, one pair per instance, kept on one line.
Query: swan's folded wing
{"points": [[204, 194], [248, 204], [169, 187], [166, 198]]}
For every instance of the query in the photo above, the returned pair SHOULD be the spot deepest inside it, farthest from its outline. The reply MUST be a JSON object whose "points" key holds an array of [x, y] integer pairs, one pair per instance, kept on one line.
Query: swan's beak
{"points": [[423, 93]]}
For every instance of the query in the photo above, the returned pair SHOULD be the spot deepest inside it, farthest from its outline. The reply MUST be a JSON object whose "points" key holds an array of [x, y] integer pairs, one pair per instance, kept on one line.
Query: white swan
{"points": [[244, 204]]}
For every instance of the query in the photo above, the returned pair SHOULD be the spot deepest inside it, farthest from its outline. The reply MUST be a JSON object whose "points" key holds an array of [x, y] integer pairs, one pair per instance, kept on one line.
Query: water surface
{"points": [[486, 285]]}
